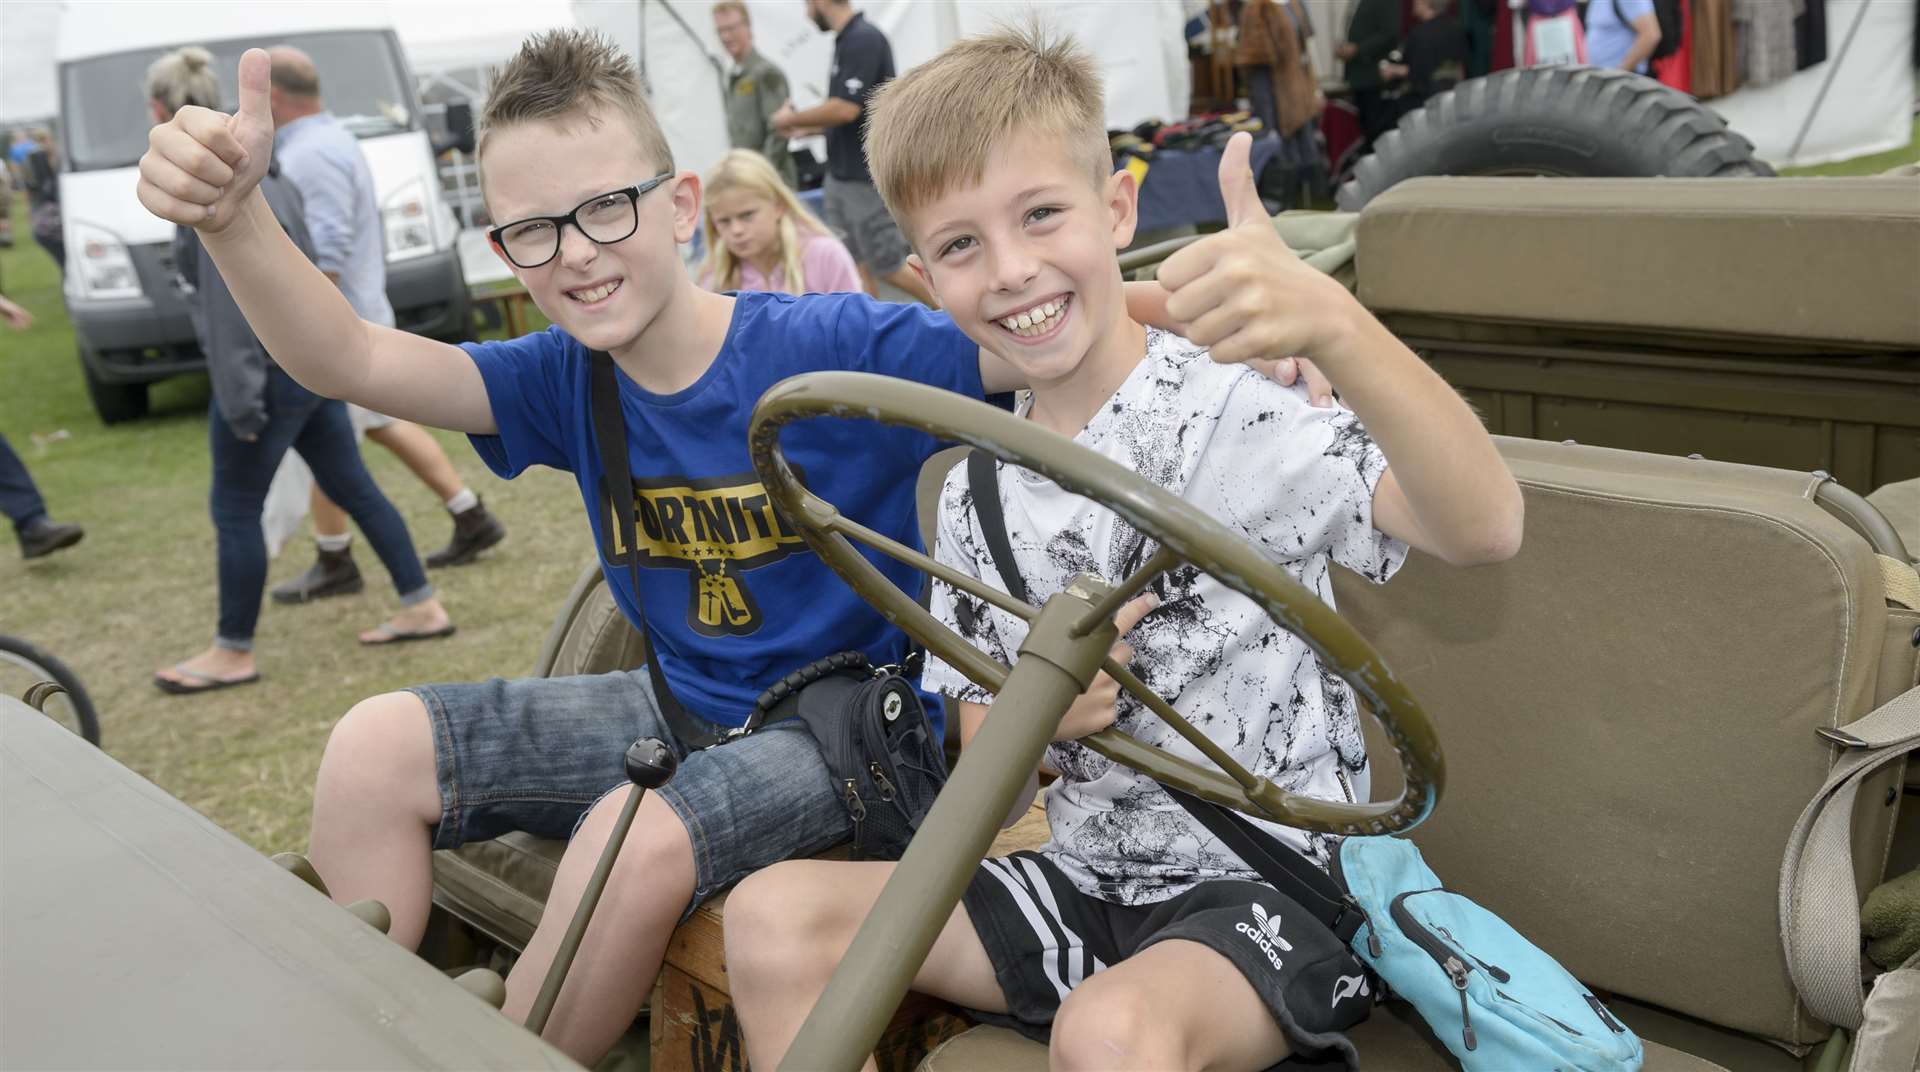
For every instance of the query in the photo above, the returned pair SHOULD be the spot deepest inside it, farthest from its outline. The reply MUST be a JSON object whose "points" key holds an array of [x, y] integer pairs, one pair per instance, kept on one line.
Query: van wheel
{"points": [[114, 402], [1565, 121]]}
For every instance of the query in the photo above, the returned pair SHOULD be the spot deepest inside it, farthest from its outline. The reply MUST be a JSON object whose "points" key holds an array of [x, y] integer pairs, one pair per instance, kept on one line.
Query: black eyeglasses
{"points": [[604, 219]]}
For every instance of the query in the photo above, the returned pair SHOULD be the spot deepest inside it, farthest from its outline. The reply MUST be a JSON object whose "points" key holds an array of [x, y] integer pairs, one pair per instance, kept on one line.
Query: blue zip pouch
{"points": [[1492, 998]]}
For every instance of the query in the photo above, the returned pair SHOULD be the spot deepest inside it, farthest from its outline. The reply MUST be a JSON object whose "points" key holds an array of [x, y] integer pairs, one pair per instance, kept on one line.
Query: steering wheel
{"points": [[1066, 645], [1183, 534]]}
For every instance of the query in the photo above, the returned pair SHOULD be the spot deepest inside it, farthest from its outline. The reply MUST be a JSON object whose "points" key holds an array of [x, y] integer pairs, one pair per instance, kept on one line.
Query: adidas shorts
{"points": [[1044, 936]]}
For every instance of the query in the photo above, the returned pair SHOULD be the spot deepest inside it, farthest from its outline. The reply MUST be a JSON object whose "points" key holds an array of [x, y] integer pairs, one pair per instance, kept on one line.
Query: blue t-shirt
{"points": [[735, 600], [1608, 38]]}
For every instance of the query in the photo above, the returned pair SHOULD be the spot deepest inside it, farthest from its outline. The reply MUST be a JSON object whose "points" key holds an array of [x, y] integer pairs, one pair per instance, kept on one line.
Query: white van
{"points": [[128, 313]]}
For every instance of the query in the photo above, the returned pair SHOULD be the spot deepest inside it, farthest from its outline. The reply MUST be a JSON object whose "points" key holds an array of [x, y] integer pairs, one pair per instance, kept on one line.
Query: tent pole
{"points": [[674, 14], [1833, 71]]}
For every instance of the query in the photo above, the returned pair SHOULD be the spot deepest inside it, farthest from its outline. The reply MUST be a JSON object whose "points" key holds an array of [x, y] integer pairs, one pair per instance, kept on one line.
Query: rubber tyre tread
{"points": [[59, 673], [114, 402], [1585, 122]]}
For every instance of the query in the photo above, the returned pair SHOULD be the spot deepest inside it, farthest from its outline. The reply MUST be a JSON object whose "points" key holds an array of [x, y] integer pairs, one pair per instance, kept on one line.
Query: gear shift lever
{"points": [[649, 764]]}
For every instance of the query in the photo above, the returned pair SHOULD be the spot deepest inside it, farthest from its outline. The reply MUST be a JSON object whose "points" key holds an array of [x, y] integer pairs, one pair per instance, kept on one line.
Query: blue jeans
{"points": [[19, 499], [319, 431], [534, 754]]}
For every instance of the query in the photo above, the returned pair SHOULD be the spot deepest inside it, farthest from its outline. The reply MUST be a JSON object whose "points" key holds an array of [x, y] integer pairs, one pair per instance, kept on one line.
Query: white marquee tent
{"points": [[1859, 101], [1138, 43]]}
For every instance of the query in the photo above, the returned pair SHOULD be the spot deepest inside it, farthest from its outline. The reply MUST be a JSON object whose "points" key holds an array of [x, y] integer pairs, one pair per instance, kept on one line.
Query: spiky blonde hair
{"points": [[932, 129]]}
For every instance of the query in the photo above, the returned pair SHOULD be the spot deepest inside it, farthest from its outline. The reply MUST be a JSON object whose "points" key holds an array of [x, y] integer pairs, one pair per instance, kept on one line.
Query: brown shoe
{"points": [[332, 574], [474, 530]]}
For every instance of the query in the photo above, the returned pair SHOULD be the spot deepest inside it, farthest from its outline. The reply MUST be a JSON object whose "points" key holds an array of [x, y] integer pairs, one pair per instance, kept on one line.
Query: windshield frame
{"points": [[389, 43]]}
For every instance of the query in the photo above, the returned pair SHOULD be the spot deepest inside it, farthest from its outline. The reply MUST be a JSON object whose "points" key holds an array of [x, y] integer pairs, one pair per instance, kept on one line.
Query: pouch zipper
{"points": [[850, 789], [1568, 1028], [880, 781], [1605, 1015], [1499, 974], [1450, 963]]}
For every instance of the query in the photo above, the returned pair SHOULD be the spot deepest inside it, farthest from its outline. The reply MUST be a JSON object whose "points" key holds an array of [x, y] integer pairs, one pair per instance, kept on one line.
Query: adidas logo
{"points": [[1270, 926], [1265, 932], [1348, 986]]}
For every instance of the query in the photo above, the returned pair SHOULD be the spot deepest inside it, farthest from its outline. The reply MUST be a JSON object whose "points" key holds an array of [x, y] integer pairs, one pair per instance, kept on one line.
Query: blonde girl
{"points": [[760, 237]]}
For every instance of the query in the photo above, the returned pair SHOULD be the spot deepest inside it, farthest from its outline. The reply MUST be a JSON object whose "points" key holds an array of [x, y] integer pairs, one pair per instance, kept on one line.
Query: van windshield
{"points": [[104, 102]]}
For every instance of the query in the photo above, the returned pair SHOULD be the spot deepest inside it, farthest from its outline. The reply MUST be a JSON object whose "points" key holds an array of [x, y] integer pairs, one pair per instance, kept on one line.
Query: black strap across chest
{"points": [[1277, 862], [616, 485]]}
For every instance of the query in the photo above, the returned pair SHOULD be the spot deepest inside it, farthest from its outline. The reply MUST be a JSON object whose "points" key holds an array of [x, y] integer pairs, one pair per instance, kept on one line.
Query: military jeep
{"points": [[1631, 710], [1721, 382]]}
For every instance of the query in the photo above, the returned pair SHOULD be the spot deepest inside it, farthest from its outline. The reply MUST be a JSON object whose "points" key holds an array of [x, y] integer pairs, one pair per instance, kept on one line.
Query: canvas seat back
{"points": [[1628, 710]]}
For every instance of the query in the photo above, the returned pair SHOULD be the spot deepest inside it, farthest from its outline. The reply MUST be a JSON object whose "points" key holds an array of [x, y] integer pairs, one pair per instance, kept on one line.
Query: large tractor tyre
{"points": [[1565, 121], [114, 402]]}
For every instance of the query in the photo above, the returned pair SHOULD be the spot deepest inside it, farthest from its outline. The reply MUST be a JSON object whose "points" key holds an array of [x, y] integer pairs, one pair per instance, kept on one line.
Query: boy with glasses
{"points": [[572, 159]]}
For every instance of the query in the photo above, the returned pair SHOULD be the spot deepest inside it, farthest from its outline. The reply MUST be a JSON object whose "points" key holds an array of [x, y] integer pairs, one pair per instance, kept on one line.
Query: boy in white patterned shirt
{"points": [[1134, 939]]}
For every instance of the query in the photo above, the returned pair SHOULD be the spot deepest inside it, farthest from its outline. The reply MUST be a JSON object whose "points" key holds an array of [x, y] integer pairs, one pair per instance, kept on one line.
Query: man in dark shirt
{"points": [[862, 60], [1433, 59], [1373, 33]]}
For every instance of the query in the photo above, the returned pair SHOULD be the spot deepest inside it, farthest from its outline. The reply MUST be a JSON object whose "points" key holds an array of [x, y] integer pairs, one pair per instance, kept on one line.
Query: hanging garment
{"points": [[1714, 71], [1676, 70], [1477, 17], [1502, 57], [1763, 39], [1810, 34]]}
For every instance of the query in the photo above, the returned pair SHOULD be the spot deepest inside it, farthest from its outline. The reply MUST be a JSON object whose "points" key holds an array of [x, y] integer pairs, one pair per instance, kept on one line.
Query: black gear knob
{"points": [[650, 763]]}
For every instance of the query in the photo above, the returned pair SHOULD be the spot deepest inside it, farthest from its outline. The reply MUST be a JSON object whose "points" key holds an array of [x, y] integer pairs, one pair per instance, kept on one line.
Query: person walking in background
{"points": [[1371, 35], [258, 412], [1433, 59], [755, 91], [1622, 33], [862, 61], [1271, 49], [323, 161], [39, 165], [19, 499], [6, 207], [760, 237]]}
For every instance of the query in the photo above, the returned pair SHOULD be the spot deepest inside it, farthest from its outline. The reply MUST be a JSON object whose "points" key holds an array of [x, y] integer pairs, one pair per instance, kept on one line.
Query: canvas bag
{"points": [[1494, 999]]}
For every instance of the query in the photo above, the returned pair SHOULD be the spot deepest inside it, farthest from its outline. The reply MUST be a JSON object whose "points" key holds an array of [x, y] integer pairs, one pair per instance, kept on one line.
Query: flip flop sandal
{"points": [[210, 683], [390, 635]]}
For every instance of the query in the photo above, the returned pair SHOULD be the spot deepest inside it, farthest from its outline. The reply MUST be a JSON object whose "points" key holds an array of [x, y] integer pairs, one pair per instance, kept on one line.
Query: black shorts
{"points": [[1044, 936]]}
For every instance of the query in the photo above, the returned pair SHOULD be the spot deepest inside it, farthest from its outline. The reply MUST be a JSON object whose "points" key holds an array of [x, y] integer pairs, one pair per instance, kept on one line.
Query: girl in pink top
{"points": [[760, 237]]}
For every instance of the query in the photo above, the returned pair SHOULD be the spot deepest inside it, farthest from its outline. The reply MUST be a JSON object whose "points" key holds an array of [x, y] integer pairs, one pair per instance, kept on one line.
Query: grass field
{"points": [[138, 593], [1868, 165]]}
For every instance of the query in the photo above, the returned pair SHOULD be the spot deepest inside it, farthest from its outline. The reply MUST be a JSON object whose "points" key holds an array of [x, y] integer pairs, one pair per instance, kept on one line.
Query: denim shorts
{"points": [[534, 754]]}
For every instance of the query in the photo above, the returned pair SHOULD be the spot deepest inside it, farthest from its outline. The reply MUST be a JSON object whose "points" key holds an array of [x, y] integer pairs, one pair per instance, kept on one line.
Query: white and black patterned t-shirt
{"points": [[1298, 482]]}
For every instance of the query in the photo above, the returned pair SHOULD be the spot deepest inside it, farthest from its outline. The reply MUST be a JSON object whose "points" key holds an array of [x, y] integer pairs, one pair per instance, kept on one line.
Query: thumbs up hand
{"points": [[201, 164], [1245, 296]]}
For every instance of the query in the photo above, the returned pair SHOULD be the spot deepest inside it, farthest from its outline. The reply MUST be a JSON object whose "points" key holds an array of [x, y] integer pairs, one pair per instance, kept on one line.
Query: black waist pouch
{"points": [[878, 744]]}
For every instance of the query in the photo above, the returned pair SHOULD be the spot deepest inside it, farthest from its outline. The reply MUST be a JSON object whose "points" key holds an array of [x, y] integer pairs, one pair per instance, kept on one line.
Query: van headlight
{"points": [[409, 227], [101, 264]]}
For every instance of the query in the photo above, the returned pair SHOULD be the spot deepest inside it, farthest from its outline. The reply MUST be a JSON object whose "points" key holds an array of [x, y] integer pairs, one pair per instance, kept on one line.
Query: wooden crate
{"points": [[694, 1027]]}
